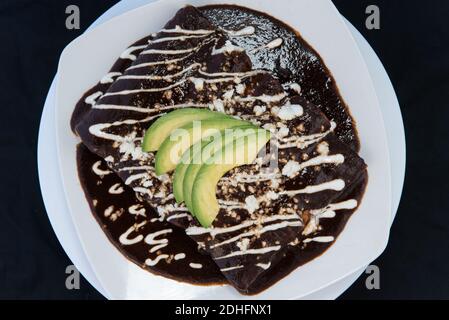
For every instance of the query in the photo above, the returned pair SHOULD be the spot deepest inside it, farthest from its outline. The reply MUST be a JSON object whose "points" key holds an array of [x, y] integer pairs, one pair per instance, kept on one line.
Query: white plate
{"points": [[371, 223], [54, 198]]}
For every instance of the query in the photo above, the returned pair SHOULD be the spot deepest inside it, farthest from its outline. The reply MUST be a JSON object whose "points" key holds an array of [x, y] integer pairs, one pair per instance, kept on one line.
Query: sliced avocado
{"points": [[174, 146], [203, 155], [181, 169], [241, 152], [161, 129]]}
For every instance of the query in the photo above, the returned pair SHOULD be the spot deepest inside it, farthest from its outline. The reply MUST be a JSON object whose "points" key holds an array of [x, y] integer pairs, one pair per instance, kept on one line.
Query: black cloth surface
{"points": [[412, 44]]}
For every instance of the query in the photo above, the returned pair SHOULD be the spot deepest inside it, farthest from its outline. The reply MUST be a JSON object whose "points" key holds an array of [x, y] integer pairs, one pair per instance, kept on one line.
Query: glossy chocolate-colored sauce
{"points": [[118, 211], [293, 62]]}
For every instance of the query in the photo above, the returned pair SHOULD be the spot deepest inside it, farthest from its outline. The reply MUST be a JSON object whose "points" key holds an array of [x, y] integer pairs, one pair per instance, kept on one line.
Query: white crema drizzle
{"points": [[109, 78], [246, 31], [249, 252], [276, 43], [327, 212], [180, 216], [214, 231], [335, 185], [151, 239], [99, 172], [137, 210], [124, 238], [128, 53], [147, 110], [116, 189], [176, 38], [179, 256], [93, 98], [260, 231], [231, 268], [180, 30], [152, 262], [264, 266], [97, 129], [324, 239], [302, 142], [196, 265], [293, 168]]}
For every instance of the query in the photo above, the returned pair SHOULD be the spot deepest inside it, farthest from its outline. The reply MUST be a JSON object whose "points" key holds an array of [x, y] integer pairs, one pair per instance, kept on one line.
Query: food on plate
{"points": [[241, 155]]}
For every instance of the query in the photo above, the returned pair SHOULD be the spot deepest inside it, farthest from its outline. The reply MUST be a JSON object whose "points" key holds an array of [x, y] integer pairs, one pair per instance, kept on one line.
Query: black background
{"points": [[413, 45]]}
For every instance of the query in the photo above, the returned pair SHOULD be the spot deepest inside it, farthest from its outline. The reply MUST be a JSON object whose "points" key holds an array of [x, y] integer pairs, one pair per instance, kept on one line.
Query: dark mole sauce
{"points": [[119, 220], [294, 62], [297, 255], [82, 107]]}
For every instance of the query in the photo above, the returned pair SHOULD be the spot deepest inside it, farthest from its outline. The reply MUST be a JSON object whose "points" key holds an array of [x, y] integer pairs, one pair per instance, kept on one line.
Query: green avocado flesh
{"points": [[180, 140], [181, 169], [242, 151], [163, 127], [203, 155]]}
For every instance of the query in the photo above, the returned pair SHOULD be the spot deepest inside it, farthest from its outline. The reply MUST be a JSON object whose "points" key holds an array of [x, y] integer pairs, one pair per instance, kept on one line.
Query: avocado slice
{"points": [[161, 129], [241, 152], [181, 169], [174, 146], [205, 153]]}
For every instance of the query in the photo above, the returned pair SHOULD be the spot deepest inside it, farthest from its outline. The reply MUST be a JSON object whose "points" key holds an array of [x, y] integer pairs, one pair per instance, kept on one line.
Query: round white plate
{"points": [[56, 206], [366, 234]]}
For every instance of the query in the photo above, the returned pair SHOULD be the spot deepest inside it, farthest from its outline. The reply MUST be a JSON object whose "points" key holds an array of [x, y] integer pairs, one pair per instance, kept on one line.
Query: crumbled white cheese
{"points": [[147, 183], [271, 195], [323, 148], [296, 87], [164, 178], [240, 88], [161, 194], [258, 110], [283, 132], [291, 169], [243, 244], [109, 159], [311, 227], [198, 82], [270, 127], [290, 112], [251, 204], [228, 94], [275, 183], [218, 105], [129, 149]]}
